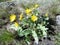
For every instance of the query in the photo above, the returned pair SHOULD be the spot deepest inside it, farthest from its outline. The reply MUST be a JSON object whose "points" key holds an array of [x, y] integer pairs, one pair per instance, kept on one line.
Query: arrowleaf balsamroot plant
{"points": [[31, 23]]}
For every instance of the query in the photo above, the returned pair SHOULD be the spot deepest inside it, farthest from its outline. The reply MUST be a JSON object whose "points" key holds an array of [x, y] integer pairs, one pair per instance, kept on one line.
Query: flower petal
{"points": [[12, 17]]}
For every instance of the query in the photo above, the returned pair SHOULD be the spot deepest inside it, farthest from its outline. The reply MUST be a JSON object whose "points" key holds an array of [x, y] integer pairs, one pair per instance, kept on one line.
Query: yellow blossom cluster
{"points": [[28, 12], [21, 17], [12, 17], [34, 18]]}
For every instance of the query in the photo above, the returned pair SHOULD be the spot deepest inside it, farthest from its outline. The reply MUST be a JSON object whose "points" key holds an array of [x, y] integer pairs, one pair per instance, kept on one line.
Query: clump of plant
{"points": [[6, 36], [30, 24], [57, 39]]}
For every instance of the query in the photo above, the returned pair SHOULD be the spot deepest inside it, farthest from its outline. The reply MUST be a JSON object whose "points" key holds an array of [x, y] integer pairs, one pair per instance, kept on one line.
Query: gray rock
{"points": [[58, 20], [44, 5]]}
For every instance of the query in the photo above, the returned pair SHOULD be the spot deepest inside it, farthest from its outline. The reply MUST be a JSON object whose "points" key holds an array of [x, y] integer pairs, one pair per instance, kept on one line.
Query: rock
{"points": [[44, 5], [58, 20]]}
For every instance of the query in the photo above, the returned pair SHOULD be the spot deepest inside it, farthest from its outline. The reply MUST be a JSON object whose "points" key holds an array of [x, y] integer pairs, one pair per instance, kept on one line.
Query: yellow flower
{"points": [[34, 18], [46, 15], [16, 24], [21, 16], [28, 11], [36, 5], [12, 17]]}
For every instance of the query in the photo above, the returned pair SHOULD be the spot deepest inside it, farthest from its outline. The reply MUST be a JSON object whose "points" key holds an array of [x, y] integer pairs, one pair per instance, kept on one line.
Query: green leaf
{"points": [[27, 42], [27, 39], [44, 33], [43, 28], [34, 34], [36, 12], [20, 33], [26, 32], [47, 18]]}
